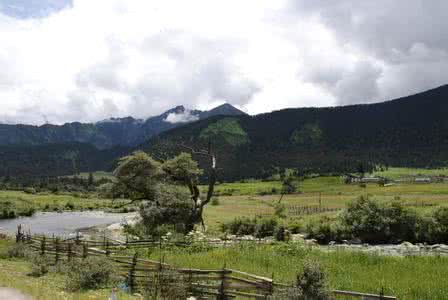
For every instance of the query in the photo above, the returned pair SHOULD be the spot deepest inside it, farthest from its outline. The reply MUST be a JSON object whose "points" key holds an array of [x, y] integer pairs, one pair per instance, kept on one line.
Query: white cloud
{"points": [[182, 117], [97, 59]]}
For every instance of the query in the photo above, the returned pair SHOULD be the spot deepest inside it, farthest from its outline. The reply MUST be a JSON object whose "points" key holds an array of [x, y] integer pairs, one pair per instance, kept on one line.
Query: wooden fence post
{"points": [[107, 248], [77, 239], [85, 251], [132, 273], [43, 246], [222, 289], [69, 252], [19, 233], [56, 245]]}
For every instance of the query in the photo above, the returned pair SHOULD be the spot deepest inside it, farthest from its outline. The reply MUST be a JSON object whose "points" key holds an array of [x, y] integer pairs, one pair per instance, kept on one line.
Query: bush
{"points": [[30, 190], [70, 205], [215, 201], [40, 265], [244, 226], [376, 221], [280, 210], [325, 230], [295, 227], [313, 281], [89, 273], [281, 234], [17, 250]]}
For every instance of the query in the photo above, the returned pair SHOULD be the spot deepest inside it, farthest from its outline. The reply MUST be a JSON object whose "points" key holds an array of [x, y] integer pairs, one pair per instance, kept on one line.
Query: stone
{"points": [[355, 241]]}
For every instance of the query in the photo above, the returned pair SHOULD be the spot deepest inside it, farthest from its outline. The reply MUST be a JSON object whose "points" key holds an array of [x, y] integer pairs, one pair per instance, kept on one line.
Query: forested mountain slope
{"points": [[108, 133], [410, 131]]}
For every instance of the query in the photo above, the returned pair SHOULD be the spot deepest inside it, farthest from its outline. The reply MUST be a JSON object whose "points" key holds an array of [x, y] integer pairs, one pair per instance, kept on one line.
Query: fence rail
{"points": [[310, 210], [149, 275]]}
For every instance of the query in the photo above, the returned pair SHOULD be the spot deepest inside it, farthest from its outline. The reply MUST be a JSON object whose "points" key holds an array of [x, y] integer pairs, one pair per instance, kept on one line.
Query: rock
{"points": [[331, 243], [355, 241], [297, 237], [311, 242], [345, 242]]}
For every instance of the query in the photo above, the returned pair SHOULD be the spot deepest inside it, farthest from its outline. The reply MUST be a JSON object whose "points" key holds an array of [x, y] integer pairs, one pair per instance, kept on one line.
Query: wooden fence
{"points": [[310, 210], [156, 277]]}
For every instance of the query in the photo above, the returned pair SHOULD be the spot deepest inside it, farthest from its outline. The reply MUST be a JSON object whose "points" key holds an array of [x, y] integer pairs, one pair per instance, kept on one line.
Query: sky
{"points": [[88, 60]]}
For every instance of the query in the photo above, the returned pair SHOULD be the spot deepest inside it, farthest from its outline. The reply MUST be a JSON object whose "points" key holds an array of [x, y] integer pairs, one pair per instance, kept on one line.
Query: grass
{"points": [[51, 202], [14, 273], [395, 173], [419, 277]]}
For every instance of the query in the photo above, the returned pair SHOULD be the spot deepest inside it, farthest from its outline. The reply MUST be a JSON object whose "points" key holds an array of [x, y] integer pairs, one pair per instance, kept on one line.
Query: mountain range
{"points": [[107, 133], [409, 132]]}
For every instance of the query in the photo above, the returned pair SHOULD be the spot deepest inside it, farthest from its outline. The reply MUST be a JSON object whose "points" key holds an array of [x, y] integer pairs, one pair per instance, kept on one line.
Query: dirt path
{"points": [[12, 294]]}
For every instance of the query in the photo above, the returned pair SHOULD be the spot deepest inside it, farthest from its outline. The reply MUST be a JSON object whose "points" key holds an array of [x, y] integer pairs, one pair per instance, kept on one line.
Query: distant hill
{"points": [[407, 132], [56, 159], [108, 133], [410, 131]]}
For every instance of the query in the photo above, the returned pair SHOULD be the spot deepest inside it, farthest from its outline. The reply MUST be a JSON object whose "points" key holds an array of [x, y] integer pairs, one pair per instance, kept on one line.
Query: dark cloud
{"points": [[408, 39]]}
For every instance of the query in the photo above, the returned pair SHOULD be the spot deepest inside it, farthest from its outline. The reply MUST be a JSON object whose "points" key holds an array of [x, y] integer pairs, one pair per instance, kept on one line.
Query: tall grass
{"points": [[404, 277]]}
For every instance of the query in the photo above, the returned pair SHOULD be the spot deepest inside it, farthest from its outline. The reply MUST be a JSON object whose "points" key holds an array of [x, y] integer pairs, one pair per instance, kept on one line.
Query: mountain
{"points": [[56, 159], [107, 133], [410, 131]]}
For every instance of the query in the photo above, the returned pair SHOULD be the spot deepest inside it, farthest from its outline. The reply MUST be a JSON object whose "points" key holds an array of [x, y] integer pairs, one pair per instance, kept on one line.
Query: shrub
{"points": [[17, 250], [40, 265], [313, 281], [70, 205], [376, 221], [89, 273], [295, 227], [215, 201], [281, 234], [244, 226], [280, 210], [30, 190], [325, 230], [265, 227]]}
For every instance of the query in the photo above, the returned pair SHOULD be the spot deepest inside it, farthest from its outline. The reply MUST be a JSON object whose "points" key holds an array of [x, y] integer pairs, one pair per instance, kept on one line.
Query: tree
{"points": [[90, 181], [168, 190], [289, 185]]}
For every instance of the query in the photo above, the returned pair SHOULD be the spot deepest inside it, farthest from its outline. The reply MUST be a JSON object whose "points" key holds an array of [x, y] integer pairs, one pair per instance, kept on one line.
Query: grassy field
{"points": [[331, 192], [419, 277], [51, 202], [395, 173], [15, 273]]}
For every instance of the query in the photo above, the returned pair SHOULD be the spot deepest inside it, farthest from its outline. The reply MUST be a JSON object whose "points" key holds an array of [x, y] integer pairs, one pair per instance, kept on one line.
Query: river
{"points": [[62, 224]]}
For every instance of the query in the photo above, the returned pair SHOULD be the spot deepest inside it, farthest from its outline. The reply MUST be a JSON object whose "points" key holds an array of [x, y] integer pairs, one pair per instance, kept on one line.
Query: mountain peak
{"points": [[223, 109]]}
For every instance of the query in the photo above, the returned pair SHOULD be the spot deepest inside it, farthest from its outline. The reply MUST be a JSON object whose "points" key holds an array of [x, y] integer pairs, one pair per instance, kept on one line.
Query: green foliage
{"points": [[258, 227], [18, 250], [228, 130], [313, 281], [215, 201], [137, 177], [289, 184], [376, 221], [182, 168], [40, 265], [280, 210], [307, 135], [173, 208], [89, 273]]}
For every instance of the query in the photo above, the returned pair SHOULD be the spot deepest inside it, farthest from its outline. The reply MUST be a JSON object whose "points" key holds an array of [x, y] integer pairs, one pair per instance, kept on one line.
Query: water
{"points": [[64, 223]]}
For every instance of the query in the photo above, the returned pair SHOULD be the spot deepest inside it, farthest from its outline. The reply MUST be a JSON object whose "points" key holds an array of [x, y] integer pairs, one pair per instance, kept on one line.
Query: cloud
{"points": [[181, 117], [91, 60]]}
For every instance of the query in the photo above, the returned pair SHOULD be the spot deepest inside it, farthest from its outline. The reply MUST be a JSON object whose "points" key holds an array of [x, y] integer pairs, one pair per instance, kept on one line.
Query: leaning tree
{"points": [[168, 191]]}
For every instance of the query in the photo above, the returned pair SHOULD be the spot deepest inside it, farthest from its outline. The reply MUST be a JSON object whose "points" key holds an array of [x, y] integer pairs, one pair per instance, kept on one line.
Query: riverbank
{"points": [[65, 223]]}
